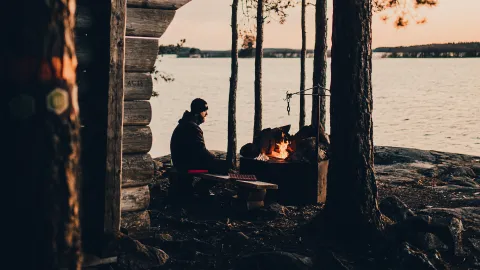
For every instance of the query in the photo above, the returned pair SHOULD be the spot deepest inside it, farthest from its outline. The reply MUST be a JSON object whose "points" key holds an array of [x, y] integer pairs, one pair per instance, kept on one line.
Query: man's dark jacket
{"points": [[187, 146]]}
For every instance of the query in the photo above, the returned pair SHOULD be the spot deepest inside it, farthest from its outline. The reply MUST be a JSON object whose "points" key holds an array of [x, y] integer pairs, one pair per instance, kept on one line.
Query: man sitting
{"points": [[187, 144]]}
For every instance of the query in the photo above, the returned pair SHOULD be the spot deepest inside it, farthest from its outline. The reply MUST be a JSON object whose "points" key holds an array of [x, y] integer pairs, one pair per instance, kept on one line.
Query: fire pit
{"points": [[290, 162]]}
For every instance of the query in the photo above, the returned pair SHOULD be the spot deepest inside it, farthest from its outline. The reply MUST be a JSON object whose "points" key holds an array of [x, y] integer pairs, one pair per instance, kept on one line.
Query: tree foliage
{"points": [[402, 10], [171, 48], [274, 10]]}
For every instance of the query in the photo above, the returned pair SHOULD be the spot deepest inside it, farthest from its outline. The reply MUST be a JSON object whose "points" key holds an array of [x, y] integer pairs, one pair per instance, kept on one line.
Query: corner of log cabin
{"points": [[115, 117]]}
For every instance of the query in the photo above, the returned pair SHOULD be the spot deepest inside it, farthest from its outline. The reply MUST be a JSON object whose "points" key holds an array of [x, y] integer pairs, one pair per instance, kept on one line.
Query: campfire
{"points": [[289, 161], [279, 145]]}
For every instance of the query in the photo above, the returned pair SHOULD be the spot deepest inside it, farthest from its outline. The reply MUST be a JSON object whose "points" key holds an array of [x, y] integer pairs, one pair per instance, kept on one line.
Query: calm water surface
{"points": [[431, 104]]}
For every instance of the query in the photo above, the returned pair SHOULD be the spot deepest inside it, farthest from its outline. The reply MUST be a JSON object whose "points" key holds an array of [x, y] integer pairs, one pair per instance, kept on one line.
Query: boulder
{"points": [[133, 255], [411, 258], [395, 209]]}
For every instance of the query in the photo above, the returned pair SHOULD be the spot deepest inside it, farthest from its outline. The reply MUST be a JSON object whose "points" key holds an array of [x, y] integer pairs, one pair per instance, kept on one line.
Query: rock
{"points": [[456, 229], [470, 216], [475, 243], [461, 171], [410, 258], [476, 169], [430, 242], [163, 237], [274, 261], [395, 209], [157, 165], [392, 155], [460, 181], [457, 175], [277, 209], [164, 159], [237, 239], [133, 255]]}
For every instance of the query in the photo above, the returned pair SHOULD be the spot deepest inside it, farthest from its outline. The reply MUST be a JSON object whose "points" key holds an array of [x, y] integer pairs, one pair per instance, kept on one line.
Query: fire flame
{"points": [[282, 150]]}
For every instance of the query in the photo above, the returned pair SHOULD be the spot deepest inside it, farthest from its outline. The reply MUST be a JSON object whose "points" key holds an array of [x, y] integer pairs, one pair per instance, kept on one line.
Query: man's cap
{"points": [[198, 105]]}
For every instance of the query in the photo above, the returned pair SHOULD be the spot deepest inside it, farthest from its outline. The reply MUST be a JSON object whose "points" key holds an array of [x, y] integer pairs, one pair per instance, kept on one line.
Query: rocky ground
{"points": [[209, 233]]}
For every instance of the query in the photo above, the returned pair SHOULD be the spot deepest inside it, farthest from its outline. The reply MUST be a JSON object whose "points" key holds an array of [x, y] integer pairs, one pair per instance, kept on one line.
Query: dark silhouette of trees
{"points": [[303, 56], [257, 121], [232, 97], [320, 63]]}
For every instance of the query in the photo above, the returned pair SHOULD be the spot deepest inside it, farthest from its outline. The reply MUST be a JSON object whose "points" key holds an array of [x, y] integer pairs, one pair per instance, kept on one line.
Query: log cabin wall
{"points": [[147, 20], [97, 78]]}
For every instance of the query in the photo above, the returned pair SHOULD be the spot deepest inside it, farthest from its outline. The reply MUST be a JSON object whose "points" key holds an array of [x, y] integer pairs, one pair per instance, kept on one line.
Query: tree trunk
{"points": [[302, 67], [351, 205], [320, 63], [39, 112], [232, 97], [257, 125]]}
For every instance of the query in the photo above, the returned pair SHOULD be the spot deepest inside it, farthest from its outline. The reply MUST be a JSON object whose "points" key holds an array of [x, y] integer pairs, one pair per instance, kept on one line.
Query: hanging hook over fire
{"points": [[289, 95]]}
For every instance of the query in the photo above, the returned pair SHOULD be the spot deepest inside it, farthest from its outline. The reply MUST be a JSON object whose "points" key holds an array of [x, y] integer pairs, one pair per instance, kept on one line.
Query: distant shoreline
{"points": [[446, 50]]}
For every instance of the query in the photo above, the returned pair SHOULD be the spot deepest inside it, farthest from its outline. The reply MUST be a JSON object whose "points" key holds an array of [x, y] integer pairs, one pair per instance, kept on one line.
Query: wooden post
{"points": [[113, 176]]}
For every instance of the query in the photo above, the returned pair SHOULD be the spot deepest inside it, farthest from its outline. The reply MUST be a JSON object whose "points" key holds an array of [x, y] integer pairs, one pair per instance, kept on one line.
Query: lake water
{"points": [[431, 104]]}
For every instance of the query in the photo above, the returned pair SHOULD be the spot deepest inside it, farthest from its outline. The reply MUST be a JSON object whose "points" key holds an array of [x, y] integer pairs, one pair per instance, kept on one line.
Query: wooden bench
{"points": [[251, 194]]}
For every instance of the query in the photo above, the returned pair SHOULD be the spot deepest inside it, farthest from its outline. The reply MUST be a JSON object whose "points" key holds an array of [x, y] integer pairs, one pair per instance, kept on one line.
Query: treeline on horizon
{"points": [[460, 49], [242, 53]]}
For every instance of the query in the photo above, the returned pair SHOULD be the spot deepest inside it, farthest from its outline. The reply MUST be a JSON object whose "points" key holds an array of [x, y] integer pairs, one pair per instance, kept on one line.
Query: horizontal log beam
{"points": [[144, 22], [135, 198], [138, 86], [160, 4], [135, 221], [137, 170], [137, 113], [137, 139], [140, 54]]}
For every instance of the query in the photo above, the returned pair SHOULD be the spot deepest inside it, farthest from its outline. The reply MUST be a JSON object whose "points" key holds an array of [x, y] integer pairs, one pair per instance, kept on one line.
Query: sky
{"points": [[205, 24]]}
